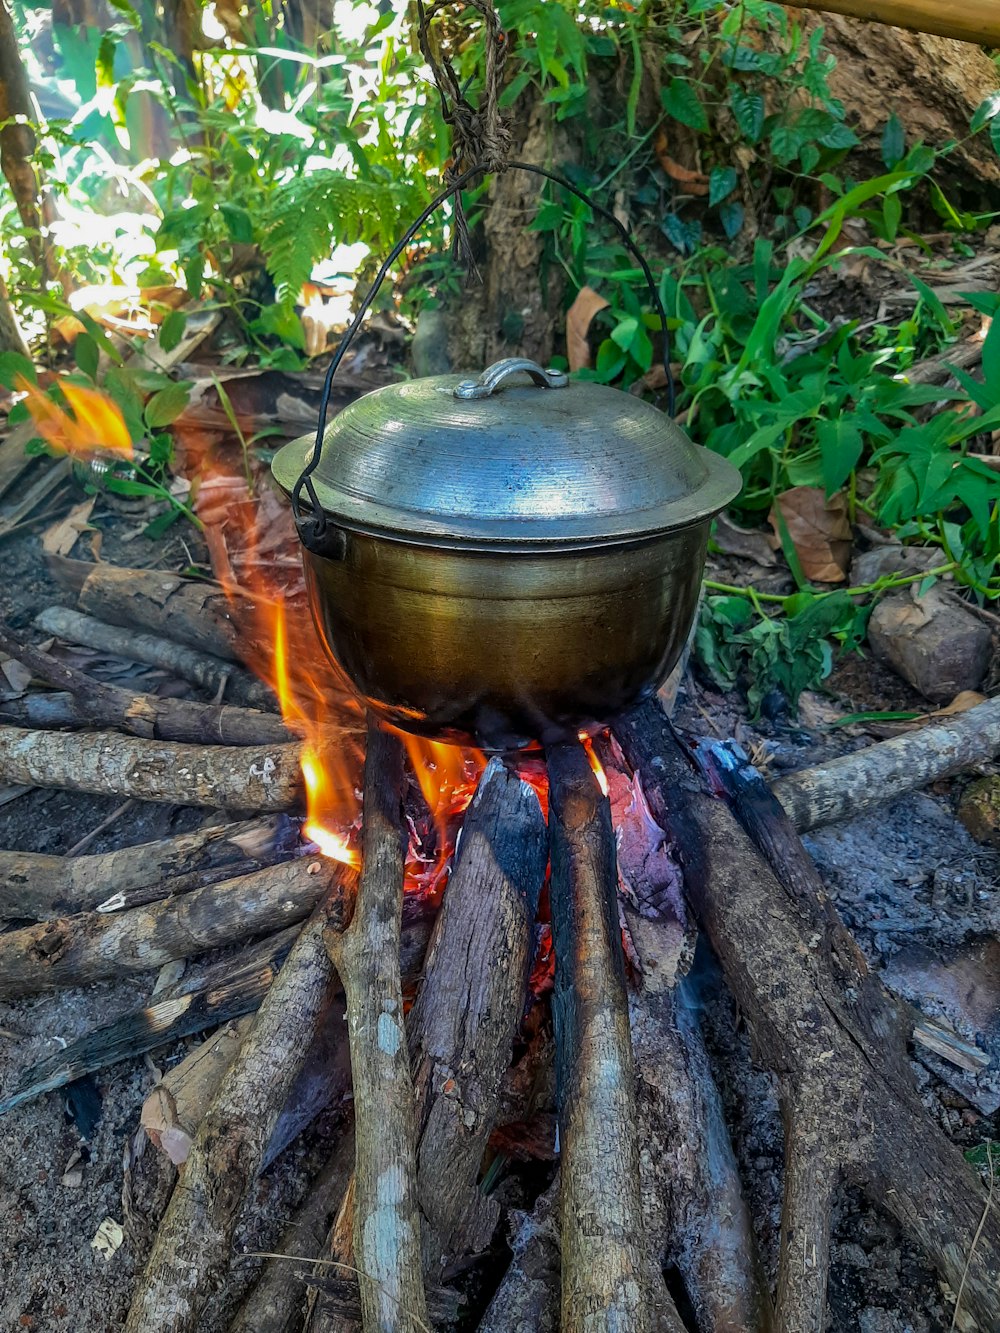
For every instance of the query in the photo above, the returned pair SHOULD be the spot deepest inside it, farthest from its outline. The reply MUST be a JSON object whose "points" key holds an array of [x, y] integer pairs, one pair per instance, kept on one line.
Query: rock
{"points": [[429, 348], [931, 641], [892, 558], [979, 810]]}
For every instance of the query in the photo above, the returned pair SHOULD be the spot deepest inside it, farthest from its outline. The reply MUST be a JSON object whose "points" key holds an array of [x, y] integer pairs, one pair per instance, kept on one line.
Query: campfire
{"points": [[466, 925]]}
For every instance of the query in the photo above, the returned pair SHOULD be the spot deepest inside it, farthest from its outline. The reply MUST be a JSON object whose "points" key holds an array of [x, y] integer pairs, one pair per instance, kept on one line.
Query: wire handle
{"points": [[312, 527]]}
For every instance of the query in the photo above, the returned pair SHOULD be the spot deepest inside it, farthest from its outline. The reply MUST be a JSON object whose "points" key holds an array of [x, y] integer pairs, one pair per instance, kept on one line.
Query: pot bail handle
{"points": [[493, 377]]}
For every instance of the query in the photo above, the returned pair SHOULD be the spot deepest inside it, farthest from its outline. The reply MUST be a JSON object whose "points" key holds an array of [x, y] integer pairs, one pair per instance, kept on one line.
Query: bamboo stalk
{"points": [[965, 20]]}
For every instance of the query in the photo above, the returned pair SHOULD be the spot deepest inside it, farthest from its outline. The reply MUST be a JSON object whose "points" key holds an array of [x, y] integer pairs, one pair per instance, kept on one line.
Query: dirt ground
{"points": [[907, 879]]}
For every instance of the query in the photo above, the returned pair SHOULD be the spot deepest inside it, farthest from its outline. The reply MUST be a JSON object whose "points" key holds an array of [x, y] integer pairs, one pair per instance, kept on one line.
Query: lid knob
{"points": [[493, 377]]}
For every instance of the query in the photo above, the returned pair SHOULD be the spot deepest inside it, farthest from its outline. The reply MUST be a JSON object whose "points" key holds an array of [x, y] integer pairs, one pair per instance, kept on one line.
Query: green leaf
{"points": [[680, 100], [731, 216], [840, 447], [86, 354], [721, 184], [172, 329], [748, 110], [13, 364], [238, 223], [893, 142], [991, 361], [167, 405], [987, 111]]}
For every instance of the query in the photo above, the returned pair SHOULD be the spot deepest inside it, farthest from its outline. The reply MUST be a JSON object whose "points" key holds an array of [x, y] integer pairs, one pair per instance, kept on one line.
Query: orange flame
{"points": [[595, 763], [97, 422]]}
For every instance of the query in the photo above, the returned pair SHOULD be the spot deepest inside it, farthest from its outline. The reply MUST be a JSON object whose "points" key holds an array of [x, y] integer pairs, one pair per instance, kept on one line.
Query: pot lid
{"points": [[504, 460]]}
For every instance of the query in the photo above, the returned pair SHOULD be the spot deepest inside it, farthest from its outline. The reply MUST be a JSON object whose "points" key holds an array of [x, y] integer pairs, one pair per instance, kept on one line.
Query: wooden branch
{"points": [[275, 1302], [91, 703], [692, 1196], [36, 886], [857, 782], [937, 369], [976, 21], [193, 1247], [221, 777], [605, 1279], [227, 991], [386, 1225], [212, 674], [183, 610], [17, 143], [527, 1300], [828, 1031], [94, 946], [461, 1028]]}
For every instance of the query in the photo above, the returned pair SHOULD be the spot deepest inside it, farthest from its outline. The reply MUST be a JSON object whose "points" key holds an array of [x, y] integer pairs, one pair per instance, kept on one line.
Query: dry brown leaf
{"points": [[62, 536], [819, 530], [694, 182], [750, 543], [578, 318]]}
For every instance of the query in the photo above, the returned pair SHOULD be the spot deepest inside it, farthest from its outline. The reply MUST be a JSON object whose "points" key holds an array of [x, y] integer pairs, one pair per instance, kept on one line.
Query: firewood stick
{"points": [[214, 675], [221, 777], [857, 782], [692, 1196], [187, 611], [86, 702], [527, 1300], [461, 1028], [830, 1034], [94, 946], [36, 886], [193, 1246], [226, 991], [387, 1224], [274, 1303], [964, 20], [605, 1277]]}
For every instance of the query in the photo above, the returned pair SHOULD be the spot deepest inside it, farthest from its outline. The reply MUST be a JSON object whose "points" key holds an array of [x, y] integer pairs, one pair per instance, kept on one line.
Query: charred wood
{"points": [[606, 1274], [366, 955], [527, 1300], [193, 1248], [221, 777], [93, 946], [832, 1037], [36, 886], [462, 1026], [215, 676]]}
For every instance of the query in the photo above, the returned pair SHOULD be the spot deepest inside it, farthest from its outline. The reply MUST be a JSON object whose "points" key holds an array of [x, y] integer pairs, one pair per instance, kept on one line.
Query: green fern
{"points": [[312, 214]]}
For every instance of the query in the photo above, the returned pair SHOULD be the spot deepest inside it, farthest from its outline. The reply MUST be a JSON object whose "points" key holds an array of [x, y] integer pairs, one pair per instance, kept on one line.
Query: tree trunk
{"points": [[17, 142]]}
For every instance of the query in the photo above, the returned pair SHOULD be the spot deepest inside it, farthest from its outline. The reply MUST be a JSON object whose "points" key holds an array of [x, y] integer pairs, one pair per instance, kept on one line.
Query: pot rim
{"points": [[503, 534]]}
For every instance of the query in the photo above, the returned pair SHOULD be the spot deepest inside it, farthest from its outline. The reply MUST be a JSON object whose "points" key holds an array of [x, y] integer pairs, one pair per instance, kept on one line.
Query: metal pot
{"points": [[504, 562]]}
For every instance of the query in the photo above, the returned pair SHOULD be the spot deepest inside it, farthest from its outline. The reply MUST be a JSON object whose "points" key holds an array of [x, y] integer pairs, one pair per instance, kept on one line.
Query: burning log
{"points": [[34, 886], [528, 1297], [857, 782], [193, 1247], [277, 1298], [198, 614], [94, 946], [606, 1275], [90, 703], [386, 1219], [462, 1026], [106, 763], [212, 674], [834, 1039]]}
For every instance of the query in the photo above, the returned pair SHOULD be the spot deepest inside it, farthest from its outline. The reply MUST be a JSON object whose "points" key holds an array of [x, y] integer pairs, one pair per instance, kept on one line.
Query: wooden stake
{"points": [[211, 674], [94, 946], [221, 777], [34, 886], [605, 1277], [193, 1247], [386, 1226], [462, 1026]]}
